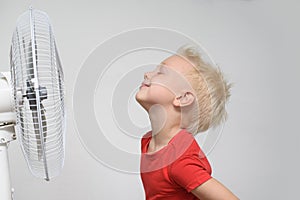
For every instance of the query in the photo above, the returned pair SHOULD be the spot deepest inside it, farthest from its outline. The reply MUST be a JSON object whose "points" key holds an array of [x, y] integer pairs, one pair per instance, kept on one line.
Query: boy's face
{"points": [[164, 83]]}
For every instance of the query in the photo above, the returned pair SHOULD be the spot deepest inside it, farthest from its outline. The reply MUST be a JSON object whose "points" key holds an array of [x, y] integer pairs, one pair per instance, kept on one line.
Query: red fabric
{"points": [[174, 171]]}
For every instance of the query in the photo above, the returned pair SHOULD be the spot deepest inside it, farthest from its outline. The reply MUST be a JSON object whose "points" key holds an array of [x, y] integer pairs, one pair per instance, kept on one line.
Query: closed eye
{"points": [[158, 70], [162, 69]]}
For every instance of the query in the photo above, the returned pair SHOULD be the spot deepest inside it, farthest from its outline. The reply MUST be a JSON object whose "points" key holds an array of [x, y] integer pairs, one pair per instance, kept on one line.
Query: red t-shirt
{"points": [[174, 171]]}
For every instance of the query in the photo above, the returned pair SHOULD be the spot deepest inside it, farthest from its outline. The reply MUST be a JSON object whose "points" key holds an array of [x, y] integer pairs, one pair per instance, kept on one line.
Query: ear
{"points": [[184, 99]]}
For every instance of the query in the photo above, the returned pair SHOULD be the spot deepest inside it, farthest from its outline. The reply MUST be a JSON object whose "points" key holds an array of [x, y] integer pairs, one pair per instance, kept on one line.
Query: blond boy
{"points": [[183, 96]]}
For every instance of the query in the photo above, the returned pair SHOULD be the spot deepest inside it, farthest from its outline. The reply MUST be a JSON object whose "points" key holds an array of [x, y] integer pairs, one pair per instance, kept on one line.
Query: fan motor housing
{"points": [[7, 114]]}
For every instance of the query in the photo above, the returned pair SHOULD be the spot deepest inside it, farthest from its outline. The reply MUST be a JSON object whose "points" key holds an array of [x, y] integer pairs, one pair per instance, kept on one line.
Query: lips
{"points": [[145, 84]]}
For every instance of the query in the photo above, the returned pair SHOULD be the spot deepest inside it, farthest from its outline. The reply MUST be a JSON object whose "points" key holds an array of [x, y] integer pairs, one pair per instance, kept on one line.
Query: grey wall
{"points": [[256, 43]]}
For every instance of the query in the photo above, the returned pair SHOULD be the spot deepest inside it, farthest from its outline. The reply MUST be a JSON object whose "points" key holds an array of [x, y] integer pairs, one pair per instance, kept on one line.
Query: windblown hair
{"points": [[212, 90]]}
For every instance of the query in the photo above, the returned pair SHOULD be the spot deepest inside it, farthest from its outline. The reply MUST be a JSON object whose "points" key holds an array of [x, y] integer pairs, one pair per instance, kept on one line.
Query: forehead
{"points": [[178, 64]]}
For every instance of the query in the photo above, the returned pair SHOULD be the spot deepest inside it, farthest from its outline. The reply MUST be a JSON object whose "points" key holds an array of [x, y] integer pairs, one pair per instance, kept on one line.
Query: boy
{"points": [[183, 96]]}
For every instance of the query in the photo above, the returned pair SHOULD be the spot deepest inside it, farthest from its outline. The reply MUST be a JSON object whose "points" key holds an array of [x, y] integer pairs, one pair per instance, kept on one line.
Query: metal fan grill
{"points": [[32, 103], [38, 94]]}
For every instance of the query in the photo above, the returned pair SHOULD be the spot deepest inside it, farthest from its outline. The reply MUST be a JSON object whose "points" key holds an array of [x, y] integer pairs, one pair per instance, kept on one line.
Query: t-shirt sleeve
{"points": [[189, 172]]}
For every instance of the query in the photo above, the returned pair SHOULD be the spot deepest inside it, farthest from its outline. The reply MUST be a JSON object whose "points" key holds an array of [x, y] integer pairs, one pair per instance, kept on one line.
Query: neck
{"points": [[165, 125]]}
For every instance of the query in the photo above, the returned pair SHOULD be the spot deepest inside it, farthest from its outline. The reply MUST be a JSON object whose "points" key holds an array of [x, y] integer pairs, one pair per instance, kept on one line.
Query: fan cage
{"points": [[38, 89]]}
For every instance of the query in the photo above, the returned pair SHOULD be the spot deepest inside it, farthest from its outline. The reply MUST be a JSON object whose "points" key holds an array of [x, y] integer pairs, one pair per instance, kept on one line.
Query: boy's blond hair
{"points": [[212, 90]]}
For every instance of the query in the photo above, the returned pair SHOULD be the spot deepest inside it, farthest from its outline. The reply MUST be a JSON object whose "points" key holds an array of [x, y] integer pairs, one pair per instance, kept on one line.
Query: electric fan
{"points": [[32, 100]]}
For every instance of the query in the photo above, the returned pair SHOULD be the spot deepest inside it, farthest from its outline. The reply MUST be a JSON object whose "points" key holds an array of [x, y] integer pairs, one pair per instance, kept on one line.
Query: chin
{"points": [[142, 102]]}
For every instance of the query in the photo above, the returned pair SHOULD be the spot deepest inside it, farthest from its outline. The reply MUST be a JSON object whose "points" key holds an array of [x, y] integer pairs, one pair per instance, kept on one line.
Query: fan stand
{"points": [[7, 134]]}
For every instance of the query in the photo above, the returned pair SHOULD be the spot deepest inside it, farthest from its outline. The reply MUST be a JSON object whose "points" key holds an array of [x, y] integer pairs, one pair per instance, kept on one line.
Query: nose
{"points": [[147, 75]]}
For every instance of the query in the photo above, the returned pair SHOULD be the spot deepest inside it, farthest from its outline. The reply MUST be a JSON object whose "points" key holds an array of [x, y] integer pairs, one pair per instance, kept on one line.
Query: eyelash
{"points": [[160, 71]]}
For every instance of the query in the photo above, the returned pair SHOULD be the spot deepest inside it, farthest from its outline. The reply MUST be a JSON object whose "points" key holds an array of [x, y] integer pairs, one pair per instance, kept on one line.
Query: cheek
{"points": [[171, 83], [160, 94]]}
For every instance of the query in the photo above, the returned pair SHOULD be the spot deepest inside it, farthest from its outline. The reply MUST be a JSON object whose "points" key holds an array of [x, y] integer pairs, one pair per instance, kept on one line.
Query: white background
{"points": [[256, 44]]}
